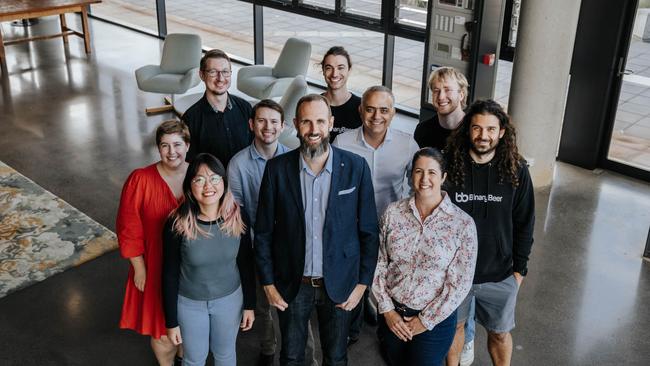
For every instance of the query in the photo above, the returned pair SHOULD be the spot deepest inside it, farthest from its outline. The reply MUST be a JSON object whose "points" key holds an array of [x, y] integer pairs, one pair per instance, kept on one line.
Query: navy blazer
{"points": [[350, 231]]}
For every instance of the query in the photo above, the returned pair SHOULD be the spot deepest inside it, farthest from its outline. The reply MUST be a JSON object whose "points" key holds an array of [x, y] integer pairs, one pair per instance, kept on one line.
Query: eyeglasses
{"points": [[213, 73], [446, 90], [201, 180]]}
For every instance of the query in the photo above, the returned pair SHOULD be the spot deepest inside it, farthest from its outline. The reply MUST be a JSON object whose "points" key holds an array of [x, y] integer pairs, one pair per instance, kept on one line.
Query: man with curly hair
{"points": [[490, 181]]}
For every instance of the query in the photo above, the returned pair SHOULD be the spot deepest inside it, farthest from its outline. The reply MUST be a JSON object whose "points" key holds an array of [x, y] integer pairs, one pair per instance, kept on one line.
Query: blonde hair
{"points": [[450, 73]]}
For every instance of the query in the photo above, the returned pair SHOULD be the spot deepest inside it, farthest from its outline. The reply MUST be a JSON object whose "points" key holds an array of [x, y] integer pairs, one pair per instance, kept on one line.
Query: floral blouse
{"points": [[426, 265]]}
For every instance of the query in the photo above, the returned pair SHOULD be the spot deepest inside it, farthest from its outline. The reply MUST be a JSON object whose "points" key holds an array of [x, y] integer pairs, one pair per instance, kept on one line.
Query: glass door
{"points": [[630, 141]]}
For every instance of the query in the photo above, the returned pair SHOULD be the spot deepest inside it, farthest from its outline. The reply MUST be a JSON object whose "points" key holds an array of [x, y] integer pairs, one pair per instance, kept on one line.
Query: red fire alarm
{"points": [[488, 59]]}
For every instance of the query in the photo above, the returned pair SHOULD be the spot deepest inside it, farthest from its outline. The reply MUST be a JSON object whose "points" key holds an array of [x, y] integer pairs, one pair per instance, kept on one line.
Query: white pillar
{"points": [[540, 79]]}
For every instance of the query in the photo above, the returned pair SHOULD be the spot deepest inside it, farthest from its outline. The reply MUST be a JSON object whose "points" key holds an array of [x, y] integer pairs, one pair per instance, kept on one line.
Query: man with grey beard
{"points": [[316, 235]]}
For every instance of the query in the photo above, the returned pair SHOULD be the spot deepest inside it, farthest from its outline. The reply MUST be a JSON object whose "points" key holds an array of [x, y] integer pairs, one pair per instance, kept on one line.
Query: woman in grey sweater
{"points": [[208, 274]]}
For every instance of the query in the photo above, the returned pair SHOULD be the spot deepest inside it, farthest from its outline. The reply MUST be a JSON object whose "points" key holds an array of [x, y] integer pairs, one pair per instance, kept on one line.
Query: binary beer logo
{"points": [[464, 197]]}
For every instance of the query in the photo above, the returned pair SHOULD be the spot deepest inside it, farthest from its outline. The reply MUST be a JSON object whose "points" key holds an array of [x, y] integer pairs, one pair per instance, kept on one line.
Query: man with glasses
{"points": [[218, 122], [449, 97]]}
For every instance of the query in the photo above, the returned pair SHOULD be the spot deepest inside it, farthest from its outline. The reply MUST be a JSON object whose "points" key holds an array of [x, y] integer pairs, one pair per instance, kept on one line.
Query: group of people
{"points": [[433, 230]]}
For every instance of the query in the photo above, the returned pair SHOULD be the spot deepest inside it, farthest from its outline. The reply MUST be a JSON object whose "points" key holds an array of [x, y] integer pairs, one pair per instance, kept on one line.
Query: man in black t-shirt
{"points": [[336, 66], [449, 97]]}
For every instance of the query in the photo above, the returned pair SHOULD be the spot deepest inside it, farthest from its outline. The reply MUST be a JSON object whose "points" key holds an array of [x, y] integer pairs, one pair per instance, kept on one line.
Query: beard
{"points": [[219, 93], [311, 152], [484, 150]]}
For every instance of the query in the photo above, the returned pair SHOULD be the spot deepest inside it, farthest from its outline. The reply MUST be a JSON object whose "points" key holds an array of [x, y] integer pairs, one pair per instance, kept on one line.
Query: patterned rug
{"points": [[40, 234]]}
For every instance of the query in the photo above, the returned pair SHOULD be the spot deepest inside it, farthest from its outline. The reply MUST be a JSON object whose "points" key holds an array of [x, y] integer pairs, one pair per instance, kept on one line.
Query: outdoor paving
{"points": [[631, 135], [228, 24]]}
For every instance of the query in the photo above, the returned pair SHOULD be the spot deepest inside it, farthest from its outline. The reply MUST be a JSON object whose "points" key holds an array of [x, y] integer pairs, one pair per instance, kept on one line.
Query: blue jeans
{"points": [[212, 325], [425, 349], [470, 325], [333, 324]]}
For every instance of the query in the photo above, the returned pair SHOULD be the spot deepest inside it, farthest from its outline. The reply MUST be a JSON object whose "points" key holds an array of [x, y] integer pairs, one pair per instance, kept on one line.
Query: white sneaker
{"points": [[467, 356]]}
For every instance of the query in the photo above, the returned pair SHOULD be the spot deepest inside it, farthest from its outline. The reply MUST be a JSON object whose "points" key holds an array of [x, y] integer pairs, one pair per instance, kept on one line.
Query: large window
{"points": [[368, 29], [140, 14], [407, 72], [412, 13], [368, 8], [223, 24], [365, 47]]}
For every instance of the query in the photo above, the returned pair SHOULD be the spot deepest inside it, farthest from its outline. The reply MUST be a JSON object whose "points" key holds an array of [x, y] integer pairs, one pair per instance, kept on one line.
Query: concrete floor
{"points": [[75, 125]]}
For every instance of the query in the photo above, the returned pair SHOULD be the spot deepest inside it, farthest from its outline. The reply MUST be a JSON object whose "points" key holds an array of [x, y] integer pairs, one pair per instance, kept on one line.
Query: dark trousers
{"points": [[425, 349], [356, 316], [333, 325]]}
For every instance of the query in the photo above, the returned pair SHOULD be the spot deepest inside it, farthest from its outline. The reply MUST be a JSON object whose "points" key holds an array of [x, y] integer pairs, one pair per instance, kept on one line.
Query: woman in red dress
{"points": [[148, 196]]}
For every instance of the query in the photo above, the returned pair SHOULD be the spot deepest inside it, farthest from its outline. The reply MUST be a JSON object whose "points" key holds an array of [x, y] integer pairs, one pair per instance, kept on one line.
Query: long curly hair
{"points": [[507, 157]]}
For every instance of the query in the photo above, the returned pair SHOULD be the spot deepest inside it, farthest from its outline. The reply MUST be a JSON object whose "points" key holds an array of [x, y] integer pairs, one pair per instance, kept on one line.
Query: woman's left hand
{"points": [[415, 324], [247, 320]]}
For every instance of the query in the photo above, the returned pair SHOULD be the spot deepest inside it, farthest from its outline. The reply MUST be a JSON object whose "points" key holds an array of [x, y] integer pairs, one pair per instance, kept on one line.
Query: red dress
{"points": [[145, 204]]}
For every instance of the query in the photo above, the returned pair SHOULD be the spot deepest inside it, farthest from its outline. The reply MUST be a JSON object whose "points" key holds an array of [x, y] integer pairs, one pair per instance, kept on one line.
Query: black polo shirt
{"points": [[222, 134]]}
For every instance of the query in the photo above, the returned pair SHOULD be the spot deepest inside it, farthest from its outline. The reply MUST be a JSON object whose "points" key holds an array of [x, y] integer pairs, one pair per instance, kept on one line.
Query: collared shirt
{"points": [[428, 264], [315, 194], [216, 109], [245, 173], [390, 163], [221, 134]]}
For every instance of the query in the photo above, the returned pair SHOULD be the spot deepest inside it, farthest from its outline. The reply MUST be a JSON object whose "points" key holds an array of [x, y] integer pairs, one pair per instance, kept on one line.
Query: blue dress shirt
{"points": [[245, 173], [315, 194]]}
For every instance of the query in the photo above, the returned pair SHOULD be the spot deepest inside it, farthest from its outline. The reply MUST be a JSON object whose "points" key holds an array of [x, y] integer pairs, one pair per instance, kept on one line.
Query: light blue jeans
{"points": [[210, 325], [470, 325]]}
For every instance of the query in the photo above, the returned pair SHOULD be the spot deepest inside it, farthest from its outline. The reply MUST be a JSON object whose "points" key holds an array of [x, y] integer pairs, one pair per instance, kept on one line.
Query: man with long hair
{"points": [[489, 180]]}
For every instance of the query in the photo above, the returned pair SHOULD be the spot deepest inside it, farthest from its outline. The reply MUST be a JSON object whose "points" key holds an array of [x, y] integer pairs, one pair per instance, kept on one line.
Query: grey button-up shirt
{"points": [[245, 173], [315, 193]]}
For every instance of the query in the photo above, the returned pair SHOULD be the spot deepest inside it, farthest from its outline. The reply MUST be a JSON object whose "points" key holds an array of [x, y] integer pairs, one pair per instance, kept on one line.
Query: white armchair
{"points": [[178, 70], [296, 90], [262, 82]]}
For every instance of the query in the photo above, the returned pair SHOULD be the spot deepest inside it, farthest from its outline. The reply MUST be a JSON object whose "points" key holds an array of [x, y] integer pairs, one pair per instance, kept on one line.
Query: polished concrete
{"points": [[76, 126]]}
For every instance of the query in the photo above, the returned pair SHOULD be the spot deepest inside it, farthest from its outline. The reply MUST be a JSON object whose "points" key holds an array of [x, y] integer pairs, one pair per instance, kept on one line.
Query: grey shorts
{"points": [[495, 305]]}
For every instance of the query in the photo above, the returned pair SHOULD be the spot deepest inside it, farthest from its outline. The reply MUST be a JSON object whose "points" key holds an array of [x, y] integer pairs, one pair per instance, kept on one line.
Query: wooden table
{"points": [[25, 9]]}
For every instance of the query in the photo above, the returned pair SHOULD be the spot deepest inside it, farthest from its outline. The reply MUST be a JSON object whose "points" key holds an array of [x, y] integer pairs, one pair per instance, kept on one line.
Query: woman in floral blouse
{"points": [[427, 256]]}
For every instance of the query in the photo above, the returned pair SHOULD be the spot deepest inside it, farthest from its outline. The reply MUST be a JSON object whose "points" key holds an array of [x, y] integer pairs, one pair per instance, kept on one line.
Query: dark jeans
{"points": [[425, 349], [333, 325], [356, 316]]}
